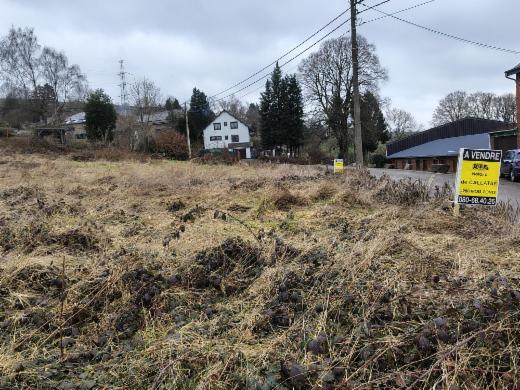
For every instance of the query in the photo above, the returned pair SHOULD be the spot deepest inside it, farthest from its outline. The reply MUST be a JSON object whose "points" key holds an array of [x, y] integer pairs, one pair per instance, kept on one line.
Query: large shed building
{"points": [[440, 145]]}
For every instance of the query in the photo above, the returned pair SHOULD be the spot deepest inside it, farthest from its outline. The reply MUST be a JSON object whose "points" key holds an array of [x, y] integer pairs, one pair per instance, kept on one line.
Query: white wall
{"points": [[242, 132]]}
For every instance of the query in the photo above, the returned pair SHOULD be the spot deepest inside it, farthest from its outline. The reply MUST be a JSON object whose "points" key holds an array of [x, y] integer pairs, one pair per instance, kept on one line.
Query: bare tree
{"points": [[400, 123], [459, 104], [43, 77], [451, 108], [19, 60], [67, 81], [504, 108], [327, 78], [146, 101], [234, 107], [480, 105]]}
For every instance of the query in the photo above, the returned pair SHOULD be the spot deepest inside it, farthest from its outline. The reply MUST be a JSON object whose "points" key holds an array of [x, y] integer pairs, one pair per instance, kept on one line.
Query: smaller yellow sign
{"points": [[338, 166], [478, 177]]}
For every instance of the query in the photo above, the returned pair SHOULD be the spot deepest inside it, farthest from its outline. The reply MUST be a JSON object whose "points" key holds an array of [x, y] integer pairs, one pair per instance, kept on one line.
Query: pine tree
{"points": [[200, 114], [266, 122], [374, 127], [293, 113], [168, 106], [176, 105], [281, 113]]}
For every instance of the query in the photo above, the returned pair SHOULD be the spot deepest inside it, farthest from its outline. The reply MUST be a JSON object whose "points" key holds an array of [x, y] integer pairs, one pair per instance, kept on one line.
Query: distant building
{"points": [[162, 120], [76, 124], [227, 132], [440, 145]]}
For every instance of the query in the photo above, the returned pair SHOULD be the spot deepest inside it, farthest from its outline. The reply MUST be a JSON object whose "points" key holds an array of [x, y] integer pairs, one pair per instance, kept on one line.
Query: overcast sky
{"points": [[214, 44]]}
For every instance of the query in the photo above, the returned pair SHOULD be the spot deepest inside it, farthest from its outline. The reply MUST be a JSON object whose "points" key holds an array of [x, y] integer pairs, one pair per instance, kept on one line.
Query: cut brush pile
{"points": [[170, 275]]}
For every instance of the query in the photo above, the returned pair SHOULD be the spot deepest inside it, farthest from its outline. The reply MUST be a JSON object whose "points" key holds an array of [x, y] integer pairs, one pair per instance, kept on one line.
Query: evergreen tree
{"points": [[373, 124], [100, 117], [200, 114], [168, 106], [172, 104], [293, 114], [281, 113], [266, 119], [176, 105]]}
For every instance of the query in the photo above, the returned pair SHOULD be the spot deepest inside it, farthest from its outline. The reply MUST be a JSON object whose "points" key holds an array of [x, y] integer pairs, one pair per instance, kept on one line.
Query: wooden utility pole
{"points": [[187, 130], [358, 138]]}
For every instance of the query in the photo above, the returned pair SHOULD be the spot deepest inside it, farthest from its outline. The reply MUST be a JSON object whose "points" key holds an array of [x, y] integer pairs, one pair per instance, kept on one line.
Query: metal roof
{"points": [[460, 128], [513, 71], [76, 118], [445, 147]]}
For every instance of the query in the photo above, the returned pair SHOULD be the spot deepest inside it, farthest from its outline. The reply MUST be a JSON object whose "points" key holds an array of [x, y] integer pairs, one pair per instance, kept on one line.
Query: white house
{"points": [[227, 132]]}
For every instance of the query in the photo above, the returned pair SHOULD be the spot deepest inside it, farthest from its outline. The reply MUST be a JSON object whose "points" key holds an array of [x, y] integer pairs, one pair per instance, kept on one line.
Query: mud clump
{"points": [[230, 267], [144, 287], [193, 214], [175, 206], [78, 241], [37, 277], [285, 306], [284, 200]]}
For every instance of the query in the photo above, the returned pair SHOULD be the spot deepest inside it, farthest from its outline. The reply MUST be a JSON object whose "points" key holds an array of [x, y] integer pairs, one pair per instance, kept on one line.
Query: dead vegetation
{"points": [[256, 278]]}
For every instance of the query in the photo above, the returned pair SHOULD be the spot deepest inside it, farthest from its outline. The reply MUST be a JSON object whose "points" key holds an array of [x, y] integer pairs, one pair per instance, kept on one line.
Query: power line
{"points": [[319, 41], [397, 12], [314, 44], [283, 56], [460, 39], [361, 24]]}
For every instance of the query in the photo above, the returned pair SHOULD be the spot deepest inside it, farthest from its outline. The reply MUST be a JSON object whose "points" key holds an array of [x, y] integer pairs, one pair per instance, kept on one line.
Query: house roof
{"points": [[220, 114], [75, 119], [445, 147], [515, 70]]}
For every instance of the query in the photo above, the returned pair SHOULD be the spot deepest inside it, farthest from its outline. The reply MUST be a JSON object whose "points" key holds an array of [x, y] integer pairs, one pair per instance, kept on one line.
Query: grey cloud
{"points": [[213, 44]]}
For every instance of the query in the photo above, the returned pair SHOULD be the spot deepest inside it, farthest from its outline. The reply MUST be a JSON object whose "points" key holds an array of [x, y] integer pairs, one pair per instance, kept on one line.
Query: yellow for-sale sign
{"points": [[478, 177], [338, 166]]}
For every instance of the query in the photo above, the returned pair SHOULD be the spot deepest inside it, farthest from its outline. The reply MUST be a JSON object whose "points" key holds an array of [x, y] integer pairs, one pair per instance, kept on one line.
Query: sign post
{"points": [[338, 166], [478, 177]]}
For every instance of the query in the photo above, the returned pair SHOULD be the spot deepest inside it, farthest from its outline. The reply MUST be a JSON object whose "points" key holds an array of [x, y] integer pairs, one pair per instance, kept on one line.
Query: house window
{"points": [[235, 138], [234, 125], [216, 126], [225, 124], [227, 137], [215, 138]]}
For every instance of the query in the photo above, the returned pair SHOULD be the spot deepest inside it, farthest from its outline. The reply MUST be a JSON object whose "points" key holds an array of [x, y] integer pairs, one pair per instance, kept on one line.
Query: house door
{"points": [[241, 153]]}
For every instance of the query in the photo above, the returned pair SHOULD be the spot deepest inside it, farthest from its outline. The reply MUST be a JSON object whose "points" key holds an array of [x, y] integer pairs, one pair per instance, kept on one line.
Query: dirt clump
{"points": [[229, 267], [284, 200]]}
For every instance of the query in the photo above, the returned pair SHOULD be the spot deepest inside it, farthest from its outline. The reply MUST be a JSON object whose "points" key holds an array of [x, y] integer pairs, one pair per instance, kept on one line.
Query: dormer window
{"points": [[217, 126]]}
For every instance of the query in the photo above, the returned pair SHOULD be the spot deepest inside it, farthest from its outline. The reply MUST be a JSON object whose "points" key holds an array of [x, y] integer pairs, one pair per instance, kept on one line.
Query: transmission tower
{"points": [[122, 76]]}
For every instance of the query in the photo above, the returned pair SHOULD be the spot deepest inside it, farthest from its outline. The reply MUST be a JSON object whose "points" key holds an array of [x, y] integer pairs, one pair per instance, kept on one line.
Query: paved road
{"points": [[508, 191]]}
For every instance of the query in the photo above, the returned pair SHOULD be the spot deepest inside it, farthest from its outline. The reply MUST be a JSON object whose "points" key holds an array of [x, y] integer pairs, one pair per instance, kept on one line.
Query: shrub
{"points": [[403, 192], [378, 160], [5, 132], [172, 145], [378, 157], [216, 157]]}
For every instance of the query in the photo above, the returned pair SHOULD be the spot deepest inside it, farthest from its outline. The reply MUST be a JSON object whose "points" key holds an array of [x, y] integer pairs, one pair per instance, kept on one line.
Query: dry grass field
{"points": [[159, 274]]}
